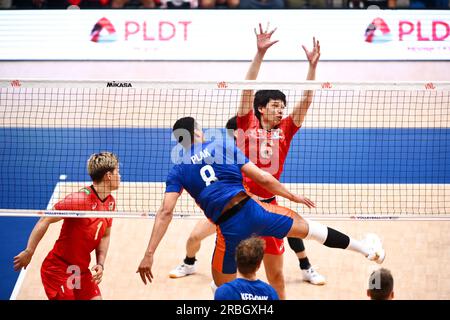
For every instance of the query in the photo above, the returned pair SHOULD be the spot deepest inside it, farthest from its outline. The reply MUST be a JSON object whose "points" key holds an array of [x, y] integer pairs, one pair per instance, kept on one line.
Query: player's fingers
{"points": [[141, 273], [271, 32], [267, 27], [260, 28], [311, 203], [273, 42], [304, 48], [149, 276]]}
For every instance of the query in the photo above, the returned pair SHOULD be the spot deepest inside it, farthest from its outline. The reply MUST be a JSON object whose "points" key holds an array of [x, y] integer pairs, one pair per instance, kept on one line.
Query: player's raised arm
{"points": [[268, 182], [302, 106], [162, 221], [263, 43], [23, 258]]}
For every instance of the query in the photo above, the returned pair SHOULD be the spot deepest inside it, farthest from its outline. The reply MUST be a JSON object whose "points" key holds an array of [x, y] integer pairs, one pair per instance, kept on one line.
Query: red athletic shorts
{"points": [[61, 283]]}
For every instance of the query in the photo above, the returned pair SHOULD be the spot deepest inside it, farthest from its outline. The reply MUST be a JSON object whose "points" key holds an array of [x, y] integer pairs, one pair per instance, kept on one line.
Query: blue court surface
{"points": [[32, 159]]}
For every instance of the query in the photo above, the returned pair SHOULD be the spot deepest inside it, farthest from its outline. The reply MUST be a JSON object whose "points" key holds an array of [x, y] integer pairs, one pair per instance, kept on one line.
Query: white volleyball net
{"points": [[365, 150]]}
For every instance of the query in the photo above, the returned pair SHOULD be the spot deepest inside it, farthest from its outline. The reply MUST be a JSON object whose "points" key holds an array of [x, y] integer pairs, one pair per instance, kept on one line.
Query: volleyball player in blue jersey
{"points": [[211, 172]]}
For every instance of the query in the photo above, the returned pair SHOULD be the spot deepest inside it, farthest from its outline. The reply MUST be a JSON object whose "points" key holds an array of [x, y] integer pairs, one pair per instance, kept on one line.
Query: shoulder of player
{"points": [[80, 195], [288, 122]]}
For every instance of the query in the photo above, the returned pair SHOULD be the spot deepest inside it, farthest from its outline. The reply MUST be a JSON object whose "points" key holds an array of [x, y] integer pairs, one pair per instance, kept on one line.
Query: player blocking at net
{"points": [[211, 172], [65, 271], [265, 136]]}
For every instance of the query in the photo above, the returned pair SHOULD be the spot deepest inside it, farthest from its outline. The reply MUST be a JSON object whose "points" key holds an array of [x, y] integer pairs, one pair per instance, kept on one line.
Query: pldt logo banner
{"points": [[378, 32], [419, 30], [103, 31], [140, 30]]}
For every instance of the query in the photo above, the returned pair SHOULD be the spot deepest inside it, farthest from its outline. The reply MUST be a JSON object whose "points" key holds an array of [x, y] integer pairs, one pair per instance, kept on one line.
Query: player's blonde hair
{"points": [[100, 163]]}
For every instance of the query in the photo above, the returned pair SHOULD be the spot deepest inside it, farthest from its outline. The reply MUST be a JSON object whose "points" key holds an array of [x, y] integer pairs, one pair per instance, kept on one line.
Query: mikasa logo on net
{"points": [[114, 84]]}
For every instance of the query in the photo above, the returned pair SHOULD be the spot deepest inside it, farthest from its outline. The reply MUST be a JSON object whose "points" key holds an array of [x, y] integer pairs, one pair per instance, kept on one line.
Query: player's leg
{"points": [[309, 273], [220, 278], [88, 290], [56, 282], [202, 230], [228, 236], [273, 264], [281, 221], [296, 244], [370, 247]]}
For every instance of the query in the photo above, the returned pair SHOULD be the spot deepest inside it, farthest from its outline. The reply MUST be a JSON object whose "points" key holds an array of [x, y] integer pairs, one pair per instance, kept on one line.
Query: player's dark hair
{"points": [[381, 284], [249, 254], [183, 130], [262, 98], [231, 126], [232, 123]]}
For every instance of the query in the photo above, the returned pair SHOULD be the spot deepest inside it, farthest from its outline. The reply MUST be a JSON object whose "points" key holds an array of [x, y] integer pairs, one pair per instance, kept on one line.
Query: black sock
{"points": [[189, 261], [304, 263]]}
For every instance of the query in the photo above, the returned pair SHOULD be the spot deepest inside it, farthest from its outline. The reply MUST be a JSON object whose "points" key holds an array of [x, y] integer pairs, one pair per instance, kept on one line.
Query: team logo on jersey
{"points": [[111, 206], [275, 134], [94, 206], [85, 190], [103, 31], [378, 31]]}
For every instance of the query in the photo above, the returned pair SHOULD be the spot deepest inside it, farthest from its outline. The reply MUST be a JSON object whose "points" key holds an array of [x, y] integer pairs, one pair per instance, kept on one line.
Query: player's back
{"points": [[211, 173]]}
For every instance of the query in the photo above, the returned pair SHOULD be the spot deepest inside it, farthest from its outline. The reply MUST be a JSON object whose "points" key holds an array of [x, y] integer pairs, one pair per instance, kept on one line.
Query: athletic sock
{"points": [[333, 238], [304, 263], [189, 261]]}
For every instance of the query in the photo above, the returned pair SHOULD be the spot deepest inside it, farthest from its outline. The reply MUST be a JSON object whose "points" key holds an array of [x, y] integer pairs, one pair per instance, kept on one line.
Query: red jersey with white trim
{"points": [[80, 236], [267, 149]]}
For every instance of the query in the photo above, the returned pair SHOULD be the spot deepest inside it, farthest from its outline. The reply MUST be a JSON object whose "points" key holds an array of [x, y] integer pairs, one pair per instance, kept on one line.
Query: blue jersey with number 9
{"points": [[211, 173]]}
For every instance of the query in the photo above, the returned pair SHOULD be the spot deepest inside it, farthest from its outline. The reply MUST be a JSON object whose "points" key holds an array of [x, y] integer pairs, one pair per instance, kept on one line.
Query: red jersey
{"points": [[267, 149], [80, 236]]}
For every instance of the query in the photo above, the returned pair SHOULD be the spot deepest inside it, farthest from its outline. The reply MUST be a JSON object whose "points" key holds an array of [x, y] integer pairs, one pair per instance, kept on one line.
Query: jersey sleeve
{"points": [[289, 128], [173, 182], [247, 121], [226, 292], [77, 201]]}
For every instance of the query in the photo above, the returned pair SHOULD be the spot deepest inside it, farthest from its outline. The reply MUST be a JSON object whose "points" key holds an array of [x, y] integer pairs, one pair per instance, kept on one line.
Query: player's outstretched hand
{"points": [[145, 268], [305, 201], [263, 41], [313, 55]]}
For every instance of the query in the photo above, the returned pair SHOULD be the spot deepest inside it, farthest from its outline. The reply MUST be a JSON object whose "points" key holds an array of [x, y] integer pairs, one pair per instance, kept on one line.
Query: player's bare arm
{"points": [[101, 252], [302, 106], [263, 43], [271, 184], [23, 259], [162, 221]]}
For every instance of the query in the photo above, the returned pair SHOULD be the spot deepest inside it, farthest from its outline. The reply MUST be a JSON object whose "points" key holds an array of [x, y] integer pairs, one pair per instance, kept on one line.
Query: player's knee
{"points": [[194, 238], [276, 278]]}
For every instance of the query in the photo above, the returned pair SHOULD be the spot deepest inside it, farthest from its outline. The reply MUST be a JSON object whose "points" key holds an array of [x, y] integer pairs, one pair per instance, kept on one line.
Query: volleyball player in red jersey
{"points": [[65, 271], [266, 137]]}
